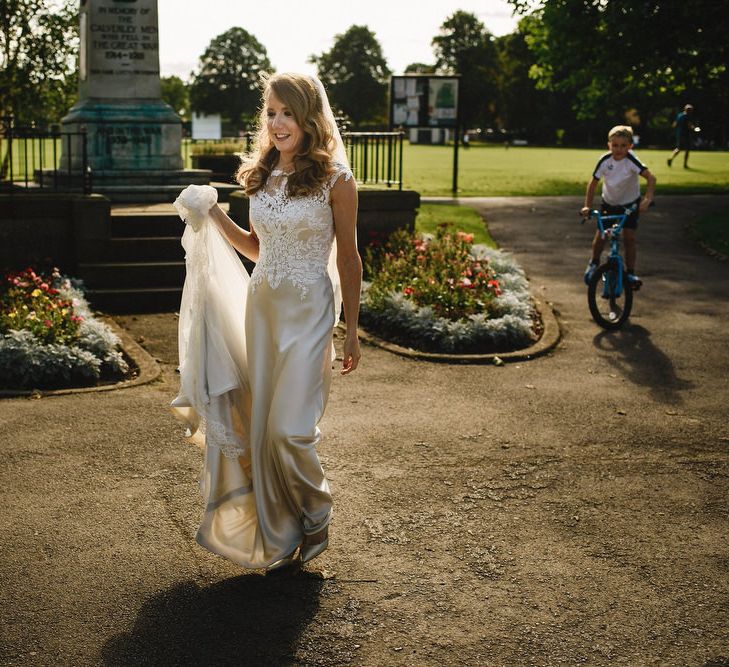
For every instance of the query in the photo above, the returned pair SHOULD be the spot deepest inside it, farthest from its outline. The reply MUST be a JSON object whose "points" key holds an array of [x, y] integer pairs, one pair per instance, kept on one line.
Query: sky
{"points": [[291, 30]]}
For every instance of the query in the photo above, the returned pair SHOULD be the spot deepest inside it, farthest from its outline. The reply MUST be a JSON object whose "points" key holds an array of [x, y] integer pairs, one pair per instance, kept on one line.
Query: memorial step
{"points": [[156, 193], [138, 225], [127, 275], [141, 300], [144, 249]]}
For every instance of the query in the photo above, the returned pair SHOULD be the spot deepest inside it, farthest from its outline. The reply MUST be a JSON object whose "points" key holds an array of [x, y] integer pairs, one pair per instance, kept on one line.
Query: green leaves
{"points": [[38, 47], [439, 273], [176, 94], [610, 56], [356, 75], [228, 77], [465, 47]]}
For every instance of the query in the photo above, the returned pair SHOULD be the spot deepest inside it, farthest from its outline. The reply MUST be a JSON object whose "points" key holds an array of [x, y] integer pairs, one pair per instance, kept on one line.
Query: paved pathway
{"points": [[567, 510]]}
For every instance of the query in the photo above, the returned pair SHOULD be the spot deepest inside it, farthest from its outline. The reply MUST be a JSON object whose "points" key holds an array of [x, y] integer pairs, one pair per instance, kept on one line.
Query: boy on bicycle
{"points": [[619, 170]]}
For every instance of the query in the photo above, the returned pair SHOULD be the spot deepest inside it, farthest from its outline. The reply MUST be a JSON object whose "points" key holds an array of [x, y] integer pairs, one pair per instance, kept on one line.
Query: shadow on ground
{"points": [[250, 619], [632, 353]]}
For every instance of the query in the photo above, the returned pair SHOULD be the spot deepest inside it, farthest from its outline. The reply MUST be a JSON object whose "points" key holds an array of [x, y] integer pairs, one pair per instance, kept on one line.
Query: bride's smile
{"points": [[282, 127]]}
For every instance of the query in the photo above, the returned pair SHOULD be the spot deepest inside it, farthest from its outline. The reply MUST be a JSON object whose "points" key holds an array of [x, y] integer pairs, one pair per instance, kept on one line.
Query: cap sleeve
{"points": [[339, 170]]}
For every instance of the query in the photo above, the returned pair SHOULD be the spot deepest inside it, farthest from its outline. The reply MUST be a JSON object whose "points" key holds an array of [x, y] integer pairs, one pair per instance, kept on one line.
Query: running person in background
{"points": [[684, 125], [619, 170]]}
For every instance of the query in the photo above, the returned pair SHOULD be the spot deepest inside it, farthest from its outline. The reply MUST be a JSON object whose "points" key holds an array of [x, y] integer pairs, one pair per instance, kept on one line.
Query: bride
{"points": [[256, 352]]}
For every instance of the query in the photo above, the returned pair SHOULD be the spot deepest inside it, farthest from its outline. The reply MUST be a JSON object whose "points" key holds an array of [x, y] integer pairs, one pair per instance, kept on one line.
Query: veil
{"points": [[339, 153]]}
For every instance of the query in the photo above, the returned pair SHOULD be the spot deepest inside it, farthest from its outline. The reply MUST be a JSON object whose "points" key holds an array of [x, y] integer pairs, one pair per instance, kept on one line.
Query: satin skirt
{"points": [[261, 504]]}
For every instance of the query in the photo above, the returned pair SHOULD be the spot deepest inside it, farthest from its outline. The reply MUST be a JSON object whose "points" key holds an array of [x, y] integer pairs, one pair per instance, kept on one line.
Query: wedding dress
{"points": [[255, 368]]}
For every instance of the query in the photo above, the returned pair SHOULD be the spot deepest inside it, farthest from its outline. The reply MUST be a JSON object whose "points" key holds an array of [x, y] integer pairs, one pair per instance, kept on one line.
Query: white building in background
{"points": [[206, 127]]}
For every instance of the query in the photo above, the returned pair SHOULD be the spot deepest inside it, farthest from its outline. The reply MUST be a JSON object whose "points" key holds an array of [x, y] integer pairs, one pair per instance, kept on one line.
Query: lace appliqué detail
{"points": [[295, 233], [219, 437]]}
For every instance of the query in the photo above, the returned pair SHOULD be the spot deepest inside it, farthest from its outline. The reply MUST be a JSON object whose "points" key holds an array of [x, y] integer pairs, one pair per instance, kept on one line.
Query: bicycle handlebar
{"points": [[594, 213]]}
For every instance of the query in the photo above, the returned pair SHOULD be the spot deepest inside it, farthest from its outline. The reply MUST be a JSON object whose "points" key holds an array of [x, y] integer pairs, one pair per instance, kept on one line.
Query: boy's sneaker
{"points": [[589, 271], [634, 281], [669, 162]]}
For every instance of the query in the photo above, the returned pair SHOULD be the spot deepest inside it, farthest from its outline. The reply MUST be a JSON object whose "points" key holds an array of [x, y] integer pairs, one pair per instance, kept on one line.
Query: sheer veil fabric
{"points": [[255, 366]]}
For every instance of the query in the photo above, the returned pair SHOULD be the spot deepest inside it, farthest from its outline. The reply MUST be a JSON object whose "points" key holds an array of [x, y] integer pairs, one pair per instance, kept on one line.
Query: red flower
{"points": [[408, 291]]}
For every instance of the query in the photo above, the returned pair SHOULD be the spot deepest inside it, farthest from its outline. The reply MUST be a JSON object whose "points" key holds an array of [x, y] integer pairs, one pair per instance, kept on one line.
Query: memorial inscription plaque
{"points": [[134, 138]]}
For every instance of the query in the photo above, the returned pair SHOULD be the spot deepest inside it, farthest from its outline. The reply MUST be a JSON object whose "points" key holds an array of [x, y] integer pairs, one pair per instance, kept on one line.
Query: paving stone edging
{"points": [[548, 341], [149, 370]]}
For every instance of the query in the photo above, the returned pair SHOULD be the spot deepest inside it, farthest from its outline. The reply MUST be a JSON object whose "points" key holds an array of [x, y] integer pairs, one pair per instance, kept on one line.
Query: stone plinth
{"points": [[133, 138]]}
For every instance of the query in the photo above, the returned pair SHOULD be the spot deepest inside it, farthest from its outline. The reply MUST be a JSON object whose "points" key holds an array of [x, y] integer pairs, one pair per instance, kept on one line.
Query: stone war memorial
{"points": [[122, 236], [133, 137]]}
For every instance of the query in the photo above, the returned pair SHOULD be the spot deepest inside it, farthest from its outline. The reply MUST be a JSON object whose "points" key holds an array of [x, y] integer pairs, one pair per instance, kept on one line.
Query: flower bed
{"points": [[444, 294], [49, 338]]}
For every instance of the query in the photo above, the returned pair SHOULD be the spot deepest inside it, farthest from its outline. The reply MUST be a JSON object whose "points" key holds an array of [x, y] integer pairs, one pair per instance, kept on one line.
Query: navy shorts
{"points": [[684, 141], [632, 220]]}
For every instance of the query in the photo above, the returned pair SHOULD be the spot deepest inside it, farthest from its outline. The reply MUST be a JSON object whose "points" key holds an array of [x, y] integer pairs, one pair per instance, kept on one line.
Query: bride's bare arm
{"points": [[349, 265], [244, 242]]}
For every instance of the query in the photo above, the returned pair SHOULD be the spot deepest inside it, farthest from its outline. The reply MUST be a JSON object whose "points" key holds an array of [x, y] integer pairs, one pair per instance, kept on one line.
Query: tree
{"points": [[38, 49], [356, 75], [519, 96], [176, 94], [228, 80], [420, 68], [618, 57], [465, 47]]}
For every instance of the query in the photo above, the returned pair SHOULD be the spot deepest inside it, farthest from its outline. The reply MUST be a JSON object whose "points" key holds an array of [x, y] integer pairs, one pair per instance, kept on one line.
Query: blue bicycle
{"points": [[609, 292]]}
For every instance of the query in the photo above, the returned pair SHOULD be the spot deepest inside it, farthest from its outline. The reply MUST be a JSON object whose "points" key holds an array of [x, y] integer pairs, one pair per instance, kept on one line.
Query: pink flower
{"points": [[48, 323]]}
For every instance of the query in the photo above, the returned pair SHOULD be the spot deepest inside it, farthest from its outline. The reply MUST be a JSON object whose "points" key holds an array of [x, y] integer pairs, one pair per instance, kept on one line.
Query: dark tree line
{"points": [[38, 52], [609, 61], [571, 69]]}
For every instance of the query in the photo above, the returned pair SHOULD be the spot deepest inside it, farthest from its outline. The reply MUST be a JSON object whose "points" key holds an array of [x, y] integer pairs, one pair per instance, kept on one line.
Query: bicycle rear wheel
{"points": [[608, 308]]}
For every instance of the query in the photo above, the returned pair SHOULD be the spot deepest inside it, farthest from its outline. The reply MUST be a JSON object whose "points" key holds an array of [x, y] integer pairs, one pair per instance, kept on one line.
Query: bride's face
{"points": [[282, 127]]}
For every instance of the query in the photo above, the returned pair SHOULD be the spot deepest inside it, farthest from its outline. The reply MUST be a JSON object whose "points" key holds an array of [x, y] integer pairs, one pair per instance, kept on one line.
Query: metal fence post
{"points": [[85, 169]]}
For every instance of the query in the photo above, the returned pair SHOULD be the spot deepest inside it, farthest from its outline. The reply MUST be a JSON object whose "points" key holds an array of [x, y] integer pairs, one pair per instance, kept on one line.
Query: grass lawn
{"points": [[29, 155], [488, 171], [713, 231], [463, 218]]}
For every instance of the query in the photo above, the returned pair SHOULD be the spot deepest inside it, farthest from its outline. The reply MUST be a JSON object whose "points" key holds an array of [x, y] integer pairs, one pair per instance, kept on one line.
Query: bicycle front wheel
{"points": [[609, 304]]}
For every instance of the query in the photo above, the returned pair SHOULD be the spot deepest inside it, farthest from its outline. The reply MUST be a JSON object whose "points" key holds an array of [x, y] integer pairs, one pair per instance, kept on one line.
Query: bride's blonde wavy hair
{"points": [[313, 162]]}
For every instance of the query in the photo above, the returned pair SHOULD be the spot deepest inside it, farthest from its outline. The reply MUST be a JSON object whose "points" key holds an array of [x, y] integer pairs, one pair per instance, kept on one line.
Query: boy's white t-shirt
{"points": [[620, 183]]}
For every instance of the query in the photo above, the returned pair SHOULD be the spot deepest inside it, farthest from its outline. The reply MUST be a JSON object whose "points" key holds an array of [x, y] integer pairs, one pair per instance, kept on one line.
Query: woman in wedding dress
{"points": [[256, 353]]}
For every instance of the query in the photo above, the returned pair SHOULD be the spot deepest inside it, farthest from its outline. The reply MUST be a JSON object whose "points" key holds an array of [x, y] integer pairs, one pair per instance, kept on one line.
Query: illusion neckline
{"points": [[281, 172]]}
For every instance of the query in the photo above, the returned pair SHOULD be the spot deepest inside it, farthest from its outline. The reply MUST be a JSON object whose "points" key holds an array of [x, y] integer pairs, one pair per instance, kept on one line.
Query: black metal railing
{"points": [[375, 157], [34, 160]]}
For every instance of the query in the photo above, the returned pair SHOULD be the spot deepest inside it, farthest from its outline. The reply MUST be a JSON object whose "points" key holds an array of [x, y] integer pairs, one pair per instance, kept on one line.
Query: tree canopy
{"points": [[518, 95], [618, 57], [38, 48], [228, 79], [465, 47], [355, 74], [175, 92]]}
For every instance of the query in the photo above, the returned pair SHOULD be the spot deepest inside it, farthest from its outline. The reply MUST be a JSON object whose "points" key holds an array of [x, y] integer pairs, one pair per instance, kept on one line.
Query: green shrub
{"points": [[443, 294], [49, 338], [30, 302], [439, 272], [219, 147]]}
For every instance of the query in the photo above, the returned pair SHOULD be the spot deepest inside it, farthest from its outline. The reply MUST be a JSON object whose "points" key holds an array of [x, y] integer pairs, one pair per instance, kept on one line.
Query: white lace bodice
{"points": [[295, 233]]}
